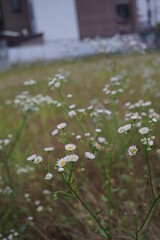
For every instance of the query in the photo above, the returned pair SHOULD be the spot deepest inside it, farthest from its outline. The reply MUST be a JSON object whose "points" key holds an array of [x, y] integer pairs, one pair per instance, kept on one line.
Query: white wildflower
{"points": [[49, 149], [70, 147], [144, 130], [48, 176], [61, 125], [61, 162], [72, 158], [132, 150], [54, 132], [38, 159], [89, 155], [32, 157]]}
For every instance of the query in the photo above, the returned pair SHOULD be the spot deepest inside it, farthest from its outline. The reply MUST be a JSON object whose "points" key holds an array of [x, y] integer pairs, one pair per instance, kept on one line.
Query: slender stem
{"points": [[151, 218], [150, 175], [5, 162], [70, 174], [90, 211], [156, 201], [17, 136]]}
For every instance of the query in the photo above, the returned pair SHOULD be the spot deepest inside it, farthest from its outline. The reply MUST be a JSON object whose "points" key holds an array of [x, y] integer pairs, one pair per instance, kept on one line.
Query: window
{"points": [[16, 6], [123, 12], [1, 19]]}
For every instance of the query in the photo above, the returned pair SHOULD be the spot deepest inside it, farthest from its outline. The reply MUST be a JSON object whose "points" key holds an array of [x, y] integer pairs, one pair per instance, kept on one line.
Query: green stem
{"points": [[70, 174], [90, 211], [156, 201], [17, 136], [150, 175], [5, 162]]}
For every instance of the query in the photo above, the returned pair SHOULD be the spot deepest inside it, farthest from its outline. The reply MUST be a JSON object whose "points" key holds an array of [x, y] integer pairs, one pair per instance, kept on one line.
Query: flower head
{"points": [[144, 130], [49, 149], [70, 147], [54, 132], [72, 158], [62, 162], [121, 130], [89, 155], [132, 150], [31, 158], [60, 169], [38, 159], [61, 125], [48, 176]]}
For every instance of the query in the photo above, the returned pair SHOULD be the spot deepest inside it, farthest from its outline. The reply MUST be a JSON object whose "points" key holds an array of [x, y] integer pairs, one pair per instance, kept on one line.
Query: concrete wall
{"points": [[142, 11], [57, 19]]}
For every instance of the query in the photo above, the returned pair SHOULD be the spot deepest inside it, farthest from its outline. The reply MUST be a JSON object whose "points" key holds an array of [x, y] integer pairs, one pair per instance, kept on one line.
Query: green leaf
{"points": [[98, 212], [104, 198], [103, 234]]}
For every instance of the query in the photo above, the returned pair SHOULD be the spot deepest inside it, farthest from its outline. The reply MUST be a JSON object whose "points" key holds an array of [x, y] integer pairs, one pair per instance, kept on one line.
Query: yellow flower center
{"points": [[62, 163], [133, 150], [70, 148]]}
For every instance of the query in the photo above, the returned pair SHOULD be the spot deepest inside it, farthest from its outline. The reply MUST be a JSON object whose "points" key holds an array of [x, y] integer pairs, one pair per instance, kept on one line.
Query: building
{"points": [[53, 29], [32, 21]]}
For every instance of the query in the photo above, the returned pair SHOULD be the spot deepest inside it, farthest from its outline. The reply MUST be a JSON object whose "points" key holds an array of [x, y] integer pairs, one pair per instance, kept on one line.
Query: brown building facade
{"points": [[105, 18], [17, 21]]}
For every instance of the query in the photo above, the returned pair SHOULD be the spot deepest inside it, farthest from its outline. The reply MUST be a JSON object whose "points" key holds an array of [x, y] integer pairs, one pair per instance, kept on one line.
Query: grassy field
{"points": [[121, 190]]}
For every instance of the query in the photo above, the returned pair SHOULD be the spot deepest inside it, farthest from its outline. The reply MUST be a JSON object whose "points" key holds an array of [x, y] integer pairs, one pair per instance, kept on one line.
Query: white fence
{"points": [[73, 48]]}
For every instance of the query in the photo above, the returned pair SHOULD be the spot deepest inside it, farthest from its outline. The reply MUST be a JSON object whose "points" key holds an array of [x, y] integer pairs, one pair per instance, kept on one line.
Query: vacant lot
{"points": [[120, 188]]}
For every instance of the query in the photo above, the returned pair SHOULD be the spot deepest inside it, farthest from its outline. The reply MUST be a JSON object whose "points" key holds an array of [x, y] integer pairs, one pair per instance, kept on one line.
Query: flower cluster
{"points": [[29, 82], [27, 103], [114, 88], [57, 81]]}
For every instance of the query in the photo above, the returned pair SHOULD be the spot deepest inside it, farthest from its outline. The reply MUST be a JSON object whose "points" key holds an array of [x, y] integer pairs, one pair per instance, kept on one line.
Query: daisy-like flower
{"points": [[70, 147], [132, 150], [72, 113], [101, 139], [61, 162], [60, 169], [69, 96], [72, 158], [115, 78], [98, 130], [38, 159], [61, 125], [32, 157], [124, 129], [87, 134], [127, 127], [121, 130], [78, 137], [144, 130], [49, 149], [89, 155], [72, 106], [98, 146], [57, 85], [48, 176], [55, 132]]}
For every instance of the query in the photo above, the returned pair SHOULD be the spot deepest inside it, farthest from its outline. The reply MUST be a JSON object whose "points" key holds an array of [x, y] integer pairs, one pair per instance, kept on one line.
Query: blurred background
{"points": [[32, 30], [91, 43]]}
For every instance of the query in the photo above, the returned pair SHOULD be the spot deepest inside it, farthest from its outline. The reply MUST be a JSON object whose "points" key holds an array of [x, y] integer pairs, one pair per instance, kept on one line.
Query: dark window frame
{"points": [[123, 12], [16, 6]]}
